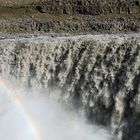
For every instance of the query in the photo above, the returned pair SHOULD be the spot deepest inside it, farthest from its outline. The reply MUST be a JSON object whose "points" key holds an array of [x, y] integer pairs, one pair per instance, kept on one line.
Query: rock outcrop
{"points": [[86, 7], [92, 7], [72, 24], [110, 16]]}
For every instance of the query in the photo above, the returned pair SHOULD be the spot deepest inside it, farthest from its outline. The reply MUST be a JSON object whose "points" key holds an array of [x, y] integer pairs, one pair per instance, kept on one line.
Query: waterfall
{"points": [[98, 73]]}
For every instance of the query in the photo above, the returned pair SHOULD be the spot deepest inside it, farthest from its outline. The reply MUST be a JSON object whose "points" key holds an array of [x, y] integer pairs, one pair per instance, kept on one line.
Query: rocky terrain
{"points": [[74, 16]]}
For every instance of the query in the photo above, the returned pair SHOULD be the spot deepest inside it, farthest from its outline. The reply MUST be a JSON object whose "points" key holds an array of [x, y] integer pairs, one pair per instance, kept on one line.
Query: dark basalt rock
{"points": [[92, 7], [110, 16]]}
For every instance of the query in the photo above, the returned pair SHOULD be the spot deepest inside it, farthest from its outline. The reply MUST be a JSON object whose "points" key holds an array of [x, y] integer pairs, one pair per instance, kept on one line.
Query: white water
{"points": [[53, 121]]}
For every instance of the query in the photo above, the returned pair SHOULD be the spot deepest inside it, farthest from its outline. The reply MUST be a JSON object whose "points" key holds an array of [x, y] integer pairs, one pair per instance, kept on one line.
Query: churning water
{"points": [[35, 116], [99, 73]]}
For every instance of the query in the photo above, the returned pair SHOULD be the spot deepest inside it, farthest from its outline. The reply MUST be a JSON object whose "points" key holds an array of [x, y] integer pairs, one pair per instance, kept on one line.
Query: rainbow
{"points": [[18, 102]]}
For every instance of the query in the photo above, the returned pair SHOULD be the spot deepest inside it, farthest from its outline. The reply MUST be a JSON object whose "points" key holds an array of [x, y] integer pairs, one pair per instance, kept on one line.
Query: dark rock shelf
{"points": [[70, 16]]}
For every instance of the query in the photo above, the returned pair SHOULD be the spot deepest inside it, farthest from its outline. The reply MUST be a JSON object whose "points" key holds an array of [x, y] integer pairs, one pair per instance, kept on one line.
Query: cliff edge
{"points": [[74, 16]]}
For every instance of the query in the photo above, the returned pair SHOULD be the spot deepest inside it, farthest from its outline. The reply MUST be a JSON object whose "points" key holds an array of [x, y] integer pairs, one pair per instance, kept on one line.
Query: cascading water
{"points": [[34, 116], [98, 74]]}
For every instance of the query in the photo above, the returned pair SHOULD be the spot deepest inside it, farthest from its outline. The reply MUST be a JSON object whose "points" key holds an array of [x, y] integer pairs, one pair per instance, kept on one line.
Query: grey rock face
{"points": [[92, 7], [72, 24], [100, 73], [88, 7], [103, 16]]}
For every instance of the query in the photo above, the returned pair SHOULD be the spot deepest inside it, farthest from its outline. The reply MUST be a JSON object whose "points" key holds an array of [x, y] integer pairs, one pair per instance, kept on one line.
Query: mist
{"points": [[52, 120]]}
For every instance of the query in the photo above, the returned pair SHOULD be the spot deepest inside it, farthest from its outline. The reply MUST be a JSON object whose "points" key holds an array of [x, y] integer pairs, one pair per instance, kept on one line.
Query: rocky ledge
{"points": [[112, 16]]}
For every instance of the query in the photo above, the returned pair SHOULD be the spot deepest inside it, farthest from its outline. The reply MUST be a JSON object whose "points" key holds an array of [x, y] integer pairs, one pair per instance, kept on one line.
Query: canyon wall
{"points": [[89, 7], [74, 16], [92, 7]]}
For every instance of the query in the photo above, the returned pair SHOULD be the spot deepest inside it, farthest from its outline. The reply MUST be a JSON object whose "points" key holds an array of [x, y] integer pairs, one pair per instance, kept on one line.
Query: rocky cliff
{"points": [[72, 24], [88, 7], [74, 16], [91, 7], [99, 73]]}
